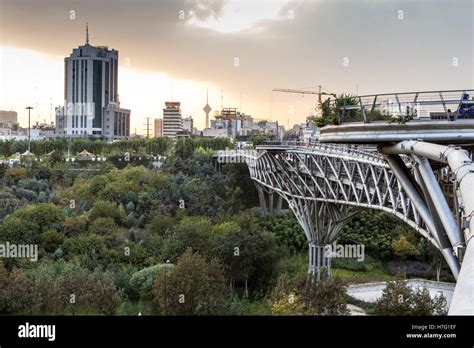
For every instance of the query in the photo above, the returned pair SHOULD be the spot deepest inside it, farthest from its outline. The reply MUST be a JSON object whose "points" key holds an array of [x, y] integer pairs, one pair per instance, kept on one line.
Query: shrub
{"points": [[303, 295], [51, 240], [399, 299], [106, 209], [195, 286], [45, 216], [104, 226], [143, 280], [74, 226], [85, 244], [19, 231]]}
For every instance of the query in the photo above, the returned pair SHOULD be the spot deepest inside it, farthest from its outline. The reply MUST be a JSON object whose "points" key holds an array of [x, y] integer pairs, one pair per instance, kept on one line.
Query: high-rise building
{"points": [[9, 123], [8, 116], [172, 121], [158, 127], [188, 124], [92, 106]]}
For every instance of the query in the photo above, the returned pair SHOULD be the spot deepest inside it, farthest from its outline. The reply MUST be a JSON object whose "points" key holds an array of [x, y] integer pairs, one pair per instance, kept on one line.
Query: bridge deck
{"points": [[437, 131]]}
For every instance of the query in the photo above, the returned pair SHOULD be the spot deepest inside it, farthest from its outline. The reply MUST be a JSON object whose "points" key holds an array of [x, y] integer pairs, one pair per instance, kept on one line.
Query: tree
{"points": [[326, 296], [331, 110], [160, 225], [375, 230], [105, 297], [403, 248], [74, 226], [45, 215], [19, 296], [161, 184], [56, 156], [142, 281], [130, 207], [307, 296], [51, 240], [290, 305], [72, 291], [85, 244], [3, 287], [130, 220], [424, 305], [258, 139], [16, 173], [288, 232], [131, 235], [19, 231], [234, 249], [43, 297], [246, 254], [399, 299], [303, 295], [193, 232], [122, 276], [106, 209], [264, 248], [195, 286], [76, 289], [104, 226], [141, 221]]}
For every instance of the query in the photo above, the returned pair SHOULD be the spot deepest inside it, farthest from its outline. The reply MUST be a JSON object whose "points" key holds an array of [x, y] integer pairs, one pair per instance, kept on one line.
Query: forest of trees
{"points": [[181, 239]]}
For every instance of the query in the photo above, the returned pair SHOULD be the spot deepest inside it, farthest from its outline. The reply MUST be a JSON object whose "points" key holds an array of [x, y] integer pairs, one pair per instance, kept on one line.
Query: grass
{"points": [[359, 277], [369, 308], [368, 271], [259, 308], [135, 307], [293, 264], [351, 271]]}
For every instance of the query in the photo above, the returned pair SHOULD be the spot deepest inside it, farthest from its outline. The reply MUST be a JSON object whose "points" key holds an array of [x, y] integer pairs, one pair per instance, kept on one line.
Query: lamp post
{"points": [[29, 108]]}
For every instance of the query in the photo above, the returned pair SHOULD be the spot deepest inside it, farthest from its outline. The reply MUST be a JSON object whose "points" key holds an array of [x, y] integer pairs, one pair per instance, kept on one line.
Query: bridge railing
{"points": [[326, 147], [447, 105]]}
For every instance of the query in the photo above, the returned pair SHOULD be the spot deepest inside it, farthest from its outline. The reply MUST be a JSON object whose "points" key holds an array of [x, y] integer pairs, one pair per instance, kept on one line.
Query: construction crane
{"points": [[320, 93], [300, 91]]}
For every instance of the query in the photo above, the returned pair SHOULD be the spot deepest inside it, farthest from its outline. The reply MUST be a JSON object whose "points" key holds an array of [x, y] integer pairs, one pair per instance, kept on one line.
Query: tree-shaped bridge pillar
{"points": [[270, 201], [321, 223]]}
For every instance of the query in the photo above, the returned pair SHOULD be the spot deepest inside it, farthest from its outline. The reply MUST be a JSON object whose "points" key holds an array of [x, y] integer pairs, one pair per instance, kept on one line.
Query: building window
{"points": [[97, 93]]}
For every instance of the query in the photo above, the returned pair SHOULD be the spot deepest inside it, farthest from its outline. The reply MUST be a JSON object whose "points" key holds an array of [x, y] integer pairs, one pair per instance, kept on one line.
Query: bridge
{"points": [[420, 171]]}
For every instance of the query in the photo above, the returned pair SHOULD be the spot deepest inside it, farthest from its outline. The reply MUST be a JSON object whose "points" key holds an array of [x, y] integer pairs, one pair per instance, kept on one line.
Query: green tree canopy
{"points": [[195, 286]]}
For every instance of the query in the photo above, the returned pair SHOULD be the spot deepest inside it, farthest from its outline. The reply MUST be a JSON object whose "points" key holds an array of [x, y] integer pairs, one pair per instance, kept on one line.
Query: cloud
{"points": [[204, 9], [304, 47]]}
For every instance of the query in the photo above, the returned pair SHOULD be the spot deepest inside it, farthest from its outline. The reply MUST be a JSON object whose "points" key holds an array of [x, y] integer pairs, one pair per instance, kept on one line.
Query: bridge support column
{"points": [[431, 219], [319, 259], [268, 205], [461, 165], [321, 223], [439, 202]]}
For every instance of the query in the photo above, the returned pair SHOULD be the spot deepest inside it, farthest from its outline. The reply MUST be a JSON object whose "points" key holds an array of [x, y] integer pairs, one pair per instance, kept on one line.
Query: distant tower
{"points": [[87, 33], [207, 109]]}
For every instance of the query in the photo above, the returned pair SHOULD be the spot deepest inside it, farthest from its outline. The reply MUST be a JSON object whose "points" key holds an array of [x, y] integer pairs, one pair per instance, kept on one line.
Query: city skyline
{"points": [[179, 50]]}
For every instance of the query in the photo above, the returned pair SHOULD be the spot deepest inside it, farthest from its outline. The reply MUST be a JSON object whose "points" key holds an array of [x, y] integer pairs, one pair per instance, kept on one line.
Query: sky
{"points": [[237, 50]]}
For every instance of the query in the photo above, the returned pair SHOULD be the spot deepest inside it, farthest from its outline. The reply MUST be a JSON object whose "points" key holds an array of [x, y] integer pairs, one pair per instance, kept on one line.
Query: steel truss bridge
{"points": [[427, 185]]}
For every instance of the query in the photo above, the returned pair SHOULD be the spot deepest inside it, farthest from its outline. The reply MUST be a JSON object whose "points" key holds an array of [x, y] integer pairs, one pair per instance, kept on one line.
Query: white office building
{"points": [[92, 106], [172, 120], [188, 125]]}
